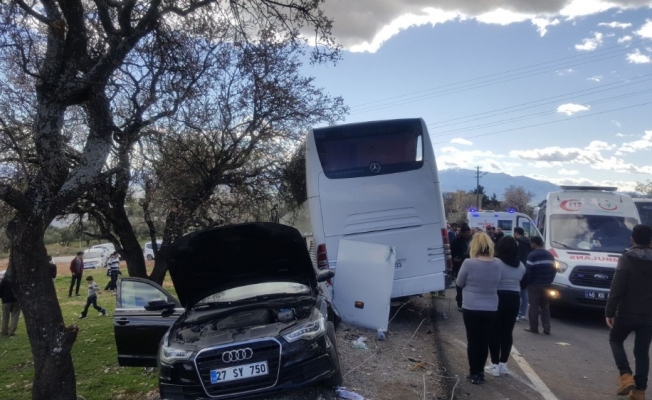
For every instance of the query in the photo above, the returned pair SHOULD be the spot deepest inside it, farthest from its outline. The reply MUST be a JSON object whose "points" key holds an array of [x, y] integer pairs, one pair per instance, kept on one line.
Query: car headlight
{"points": [[560, 266], [307, 331], [169, 354]]}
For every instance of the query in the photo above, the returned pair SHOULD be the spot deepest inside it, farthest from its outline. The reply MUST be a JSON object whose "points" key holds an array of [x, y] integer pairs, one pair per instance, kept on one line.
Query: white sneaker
{"points": [[492, 369], [502, 368]]}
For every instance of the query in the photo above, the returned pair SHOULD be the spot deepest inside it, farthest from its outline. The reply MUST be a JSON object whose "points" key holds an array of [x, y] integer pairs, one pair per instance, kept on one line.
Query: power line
{"points": [[528, 116], [532, 104], [596, 53], [479, 85], [553, 122]]}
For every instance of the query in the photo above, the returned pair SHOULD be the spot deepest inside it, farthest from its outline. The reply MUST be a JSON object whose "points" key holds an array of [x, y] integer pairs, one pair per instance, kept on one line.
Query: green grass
{"points": [[94, 354]]}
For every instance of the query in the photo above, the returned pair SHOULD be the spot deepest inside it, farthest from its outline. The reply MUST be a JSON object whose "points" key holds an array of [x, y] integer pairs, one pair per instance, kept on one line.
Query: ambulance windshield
{"points": [[599, 233]]}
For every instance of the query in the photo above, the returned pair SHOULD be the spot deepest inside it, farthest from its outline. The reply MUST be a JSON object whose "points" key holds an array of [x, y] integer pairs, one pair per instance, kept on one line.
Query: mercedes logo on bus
{"points": [[374, 167], [237, 355]]}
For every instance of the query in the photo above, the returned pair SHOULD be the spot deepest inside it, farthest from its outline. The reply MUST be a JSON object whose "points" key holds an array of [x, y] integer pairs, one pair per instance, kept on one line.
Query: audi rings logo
{"points": [[237, 355]]}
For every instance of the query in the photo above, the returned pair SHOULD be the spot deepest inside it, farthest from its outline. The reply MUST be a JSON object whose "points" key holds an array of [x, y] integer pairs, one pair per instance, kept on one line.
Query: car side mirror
{"points": [[325, 274], [159, 305]]}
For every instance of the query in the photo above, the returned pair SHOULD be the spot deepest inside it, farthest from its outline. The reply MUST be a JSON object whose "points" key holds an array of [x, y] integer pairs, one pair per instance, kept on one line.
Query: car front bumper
{"points": [[569, 296], [302, 363]]}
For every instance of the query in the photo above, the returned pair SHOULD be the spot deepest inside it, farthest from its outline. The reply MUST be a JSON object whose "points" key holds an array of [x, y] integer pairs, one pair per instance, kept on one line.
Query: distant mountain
{"points": [[464, 179]]}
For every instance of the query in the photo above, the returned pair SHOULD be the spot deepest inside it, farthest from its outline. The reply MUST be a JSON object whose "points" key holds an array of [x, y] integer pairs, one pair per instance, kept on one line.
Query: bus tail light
{"points": [[322, 257], [447, 249]]}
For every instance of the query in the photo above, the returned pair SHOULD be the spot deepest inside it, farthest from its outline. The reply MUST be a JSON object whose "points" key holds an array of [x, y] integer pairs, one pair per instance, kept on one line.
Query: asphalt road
{"points": [[574, 362]]}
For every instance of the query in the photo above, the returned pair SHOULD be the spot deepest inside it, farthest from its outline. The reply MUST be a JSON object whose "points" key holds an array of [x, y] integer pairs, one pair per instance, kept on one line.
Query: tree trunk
{"points": [[51, 341], [131, 250]]}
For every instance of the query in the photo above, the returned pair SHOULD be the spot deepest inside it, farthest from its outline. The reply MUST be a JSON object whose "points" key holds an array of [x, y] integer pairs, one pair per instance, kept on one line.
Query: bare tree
{"points": [[60, 60], [517, 197], [644, 188]]}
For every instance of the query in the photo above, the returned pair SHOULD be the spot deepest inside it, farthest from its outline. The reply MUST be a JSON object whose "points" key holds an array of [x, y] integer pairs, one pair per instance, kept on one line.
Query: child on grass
{"points": [[93, 289]]}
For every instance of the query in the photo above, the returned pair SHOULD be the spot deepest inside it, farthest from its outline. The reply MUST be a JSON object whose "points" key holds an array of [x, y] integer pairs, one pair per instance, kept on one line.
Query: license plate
{"points": [[239, 372], [591, 294]]}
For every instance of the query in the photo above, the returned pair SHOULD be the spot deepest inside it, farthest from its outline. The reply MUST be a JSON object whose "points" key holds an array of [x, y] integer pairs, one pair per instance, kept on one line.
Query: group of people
{"points": [[77, 270], [497, 280], [490, 279]]}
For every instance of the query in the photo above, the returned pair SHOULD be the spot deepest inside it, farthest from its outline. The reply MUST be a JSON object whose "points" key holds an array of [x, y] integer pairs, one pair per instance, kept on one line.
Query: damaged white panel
{"points": [[364, 278]]}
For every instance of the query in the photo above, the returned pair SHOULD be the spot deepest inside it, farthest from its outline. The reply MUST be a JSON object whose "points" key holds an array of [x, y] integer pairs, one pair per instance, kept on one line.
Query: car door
{"points": [[138, 332]]}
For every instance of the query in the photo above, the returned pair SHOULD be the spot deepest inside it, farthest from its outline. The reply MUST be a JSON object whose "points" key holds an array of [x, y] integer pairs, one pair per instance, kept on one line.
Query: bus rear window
{"points": [[366, 150]]}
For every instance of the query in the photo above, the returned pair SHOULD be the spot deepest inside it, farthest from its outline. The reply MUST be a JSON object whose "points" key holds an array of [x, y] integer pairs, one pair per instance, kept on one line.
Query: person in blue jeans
{"points": [[628, 310], [93, 290]]}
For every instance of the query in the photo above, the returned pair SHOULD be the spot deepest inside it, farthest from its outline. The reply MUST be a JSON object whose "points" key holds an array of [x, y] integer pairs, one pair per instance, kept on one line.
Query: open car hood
{"points": [[209, 261]]}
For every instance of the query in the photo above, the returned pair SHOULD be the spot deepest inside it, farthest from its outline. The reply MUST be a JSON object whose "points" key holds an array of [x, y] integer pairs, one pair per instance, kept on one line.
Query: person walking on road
{"points": [[629, 310], [113, 270], [53, 269], [524, 249], [10, 308], [540, 272], [93, 290], [478, 278], [459, 253], [452, 232], [509, 298]]}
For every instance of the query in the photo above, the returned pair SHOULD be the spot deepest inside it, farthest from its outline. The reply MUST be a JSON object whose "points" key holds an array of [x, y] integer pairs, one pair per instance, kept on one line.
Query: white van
{"points": [[586, 229], [149, 251], [507, 221]]}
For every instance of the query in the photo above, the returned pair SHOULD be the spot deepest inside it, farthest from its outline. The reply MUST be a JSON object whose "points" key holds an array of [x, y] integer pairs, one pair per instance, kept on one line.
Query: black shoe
{"points": [[474, 379], [531, 331], [460, 309], [76, 294], [82, 317], [546, 332], [481, 374]]}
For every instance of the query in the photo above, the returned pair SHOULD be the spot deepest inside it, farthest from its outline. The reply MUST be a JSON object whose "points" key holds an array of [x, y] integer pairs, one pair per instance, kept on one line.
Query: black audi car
{"points": [[252, 316]]}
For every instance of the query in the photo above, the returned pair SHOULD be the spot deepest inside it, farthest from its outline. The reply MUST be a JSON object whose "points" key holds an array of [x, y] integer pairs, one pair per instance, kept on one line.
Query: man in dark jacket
{"points": [[10, 308], [540, 272], [459, 253], [628, 310], [77, 270], [524, 249]]}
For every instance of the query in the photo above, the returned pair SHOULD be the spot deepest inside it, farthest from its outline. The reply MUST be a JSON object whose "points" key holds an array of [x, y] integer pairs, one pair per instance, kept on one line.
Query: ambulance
{"points": [[505, 220], [586, 228]]}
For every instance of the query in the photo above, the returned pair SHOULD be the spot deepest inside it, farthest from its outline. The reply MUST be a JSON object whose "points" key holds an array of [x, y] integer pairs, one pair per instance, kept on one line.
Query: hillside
{"points": [[464, 179]]}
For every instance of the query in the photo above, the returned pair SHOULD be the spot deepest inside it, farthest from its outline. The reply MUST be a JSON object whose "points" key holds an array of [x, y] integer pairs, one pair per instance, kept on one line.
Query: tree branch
{"points": [[30, 11], [15, 198]]}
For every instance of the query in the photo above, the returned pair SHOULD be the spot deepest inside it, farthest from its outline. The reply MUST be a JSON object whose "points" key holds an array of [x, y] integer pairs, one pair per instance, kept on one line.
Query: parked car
{"points": [[93, 259], [105, 251], [149, 251], [245, 323]]}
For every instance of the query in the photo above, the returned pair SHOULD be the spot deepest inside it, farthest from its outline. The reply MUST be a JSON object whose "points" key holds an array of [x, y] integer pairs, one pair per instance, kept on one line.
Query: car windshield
{"points": [[599, 233], [256, 290], [91, 254], [645, 212]]}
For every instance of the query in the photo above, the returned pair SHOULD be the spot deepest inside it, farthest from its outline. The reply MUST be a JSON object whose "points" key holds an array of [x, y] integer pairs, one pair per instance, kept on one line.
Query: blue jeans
{"points": [[522, 312]]}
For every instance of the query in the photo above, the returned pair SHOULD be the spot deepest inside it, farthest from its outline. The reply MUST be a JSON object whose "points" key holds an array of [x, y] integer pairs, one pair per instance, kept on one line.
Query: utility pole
{"points": [[478, 175]]}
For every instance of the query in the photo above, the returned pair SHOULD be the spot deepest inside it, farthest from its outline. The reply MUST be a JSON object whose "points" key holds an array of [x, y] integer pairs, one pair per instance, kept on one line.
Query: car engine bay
{"points": [[241, 320]]}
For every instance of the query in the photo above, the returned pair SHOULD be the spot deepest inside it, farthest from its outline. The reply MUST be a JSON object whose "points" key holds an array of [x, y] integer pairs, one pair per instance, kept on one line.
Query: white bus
{"points": [[376, 182]]}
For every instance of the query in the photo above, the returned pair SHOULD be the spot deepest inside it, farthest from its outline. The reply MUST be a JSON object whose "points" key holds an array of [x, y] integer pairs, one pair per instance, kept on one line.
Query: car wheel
{"points": [[336, 379], [149, 257]]}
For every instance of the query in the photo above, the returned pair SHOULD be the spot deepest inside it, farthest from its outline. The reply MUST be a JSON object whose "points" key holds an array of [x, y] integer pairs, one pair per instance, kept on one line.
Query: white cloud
{"points": [[568, 172], [364, 25], [617, 123], [646, 30], [567, 71], [623, 135], [452, 157], [596, 78], [625, 39], [644, 143], [614, 25], [542, 24], [590, 44], [462, 141], [638, 58], [570, 108]]}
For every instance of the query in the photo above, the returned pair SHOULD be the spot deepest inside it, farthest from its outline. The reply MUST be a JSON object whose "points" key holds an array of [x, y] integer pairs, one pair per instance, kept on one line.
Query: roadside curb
{"points": [[447, 381]]}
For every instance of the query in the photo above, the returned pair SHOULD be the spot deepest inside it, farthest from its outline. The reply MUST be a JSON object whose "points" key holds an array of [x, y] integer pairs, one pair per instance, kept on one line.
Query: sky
{"points": [[555, 90]]}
